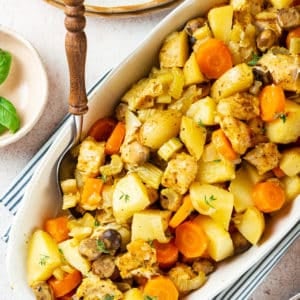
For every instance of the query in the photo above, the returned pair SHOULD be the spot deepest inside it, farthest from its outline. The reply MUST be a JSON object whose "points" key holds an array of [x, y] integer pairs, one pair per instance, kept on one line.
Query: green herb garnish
{"points": [[209, 200], [150, 243], [109, 297], [101, 247], [5, 63], [150, 297], [8, 115], [96, 223], [43, 259], [103, 177], [124, 196], [200, 123], [255, 58], [282, 117], [217, 160]]}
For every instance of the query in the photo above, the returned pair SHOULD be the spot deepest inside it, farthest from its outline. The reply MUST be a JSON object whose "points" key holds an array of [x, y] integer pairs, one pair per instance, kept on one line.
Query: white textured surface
{"points": [[109, 41]]}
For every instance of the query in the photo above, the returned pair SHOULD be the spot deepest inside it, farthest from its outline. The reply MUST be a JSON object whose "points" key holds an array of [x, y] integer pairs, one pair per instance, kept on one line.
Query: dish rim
{"points": [[26, 128]]}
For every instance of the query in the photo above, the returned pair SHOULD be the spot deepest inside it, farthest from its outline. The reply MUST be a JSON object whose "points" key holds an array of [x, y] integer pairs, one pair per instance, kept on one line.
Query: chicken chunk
{"points": [[237, 132], [242, 106], [203, 265], [252, 7], [42, 291], [289, 18], [93, 288], [284, 68], [140, 260], [143, 93], [180, 173], [91, 157], [257, 130], [265, 157], [186, 279]]}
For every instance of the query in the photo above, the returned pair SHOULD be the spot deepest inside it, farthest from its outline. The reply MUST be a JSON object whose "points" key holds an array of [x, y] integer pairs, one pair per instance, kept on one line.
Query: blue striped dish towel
{"points": [[241, 289]]}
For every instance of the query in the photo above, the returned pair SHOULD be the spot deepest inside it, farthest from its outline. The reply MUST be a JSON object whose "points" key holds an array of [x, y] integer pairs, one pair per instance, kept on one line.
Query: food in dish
{"points": [[195, 154]]}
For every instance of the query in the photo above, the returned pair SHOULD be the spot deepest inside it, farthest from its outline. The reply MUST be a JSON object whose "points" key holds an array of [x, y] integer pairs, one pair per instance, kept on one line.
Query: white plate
{"points": [[40, 202], [121, 8], [26, 85]]}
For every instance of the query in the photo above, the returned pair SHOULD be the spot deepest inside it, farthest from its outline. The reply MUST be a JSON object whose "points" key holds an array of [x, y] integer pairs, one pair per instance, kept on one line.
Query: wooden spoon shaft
{"points": [[76, 44]]}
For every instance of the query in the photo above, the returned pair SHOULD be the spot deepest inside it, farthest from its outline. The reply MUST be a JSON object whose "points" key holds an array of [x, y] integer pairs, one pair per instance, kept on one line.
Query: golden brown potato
{"points": [[159, 128]]}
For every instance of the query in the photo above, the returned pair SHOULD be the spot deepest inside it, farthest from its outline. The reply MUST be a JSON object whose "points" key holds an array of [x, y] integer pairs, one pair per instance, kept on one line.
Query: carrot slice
{"points": [[162, 288], [268, 196], [214, 58], [272, 102], [223, 145], [66, 285], [115, 140], [190, 239], [91, 191], [166, 253], [182, 213], [295, 33], [102, 129], [58, 228]]}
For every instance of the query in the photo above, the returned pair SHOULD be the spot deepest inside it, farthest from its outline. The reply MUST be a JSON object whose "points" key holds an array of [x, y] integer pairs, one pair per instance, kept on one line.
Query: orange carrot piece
{"points": [[223, 145], [294, 33], [272, 102], [166, 253], [190, 239], [58, 228], [115, 140], [102, 129], [182, 213], [91, 191], [278, 172], [67, 284], [162, 288], [214, 58], [268, 196]]}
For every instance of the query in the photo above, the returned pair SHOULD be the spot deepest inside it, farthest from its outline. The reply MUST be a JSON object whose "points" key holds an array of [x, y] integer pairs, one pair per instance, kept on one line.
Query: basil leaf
{"points": [[2, 129], [5, 62], [8, 115]]}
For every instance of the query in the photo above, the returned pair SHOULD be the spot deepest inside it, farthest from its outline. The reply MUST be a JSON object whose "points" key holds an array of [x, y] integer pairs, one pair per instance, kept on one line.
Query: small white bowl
{"points": [[26, 85], [41, 199]]}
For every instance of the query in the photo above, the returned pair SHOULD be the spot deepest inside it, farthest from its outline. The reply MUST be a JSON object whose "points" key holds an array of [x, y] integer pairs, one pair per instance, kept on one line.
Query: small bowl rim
{"points": [[26, 128]]}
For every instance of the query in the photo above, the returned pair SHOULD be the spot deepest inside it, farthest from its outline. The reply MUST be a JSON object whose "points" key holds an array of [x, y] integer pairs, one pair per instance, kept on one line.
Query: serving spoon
{"points": [[75, 46]]}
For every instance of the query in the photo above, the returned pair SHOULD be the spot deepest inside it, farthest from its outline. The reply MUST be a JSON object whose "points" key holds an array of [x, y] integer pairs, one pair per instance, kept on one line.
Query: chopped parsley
{"points": [[124, 197], [101, 246], [150, 297], [109, 297], [43, 259], [217, 160], [254, 59], [282, 117], [103, 177], [150, 243], [200, 123], [209, 200], [96, 223]]}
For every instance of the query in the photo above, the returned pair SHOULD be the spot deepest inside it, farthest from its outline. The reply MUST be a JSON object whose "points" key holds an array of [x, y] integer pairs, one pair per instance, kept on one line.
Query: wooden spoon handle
{"points": [[75, 44]]}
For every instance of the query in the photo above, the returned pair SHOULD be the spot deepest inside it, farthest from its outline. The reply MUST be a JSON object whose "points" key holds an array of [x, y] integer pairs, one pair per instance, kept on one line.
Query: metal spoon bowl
{"points": [[75, 45]]}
